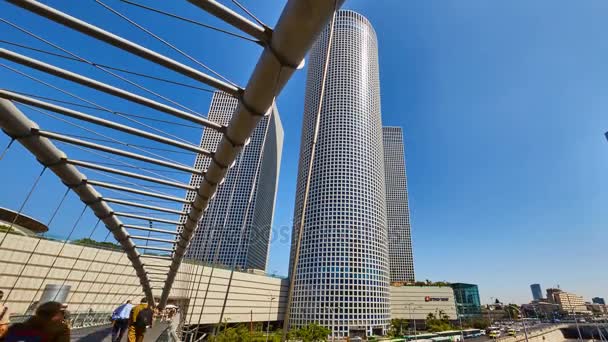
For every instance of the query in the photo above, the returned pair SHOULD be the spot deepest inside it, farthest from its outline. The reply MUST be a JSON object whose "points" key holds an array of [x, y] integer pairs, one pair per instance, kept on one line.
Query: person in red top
{"points": [[4, 317]]}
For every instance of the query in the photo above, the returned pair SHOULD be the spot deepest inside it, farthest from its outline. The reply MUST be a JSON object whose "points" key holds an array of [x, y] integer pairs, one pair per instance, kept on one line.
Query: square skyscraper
{"points": [[400, 253], [236, 227]]}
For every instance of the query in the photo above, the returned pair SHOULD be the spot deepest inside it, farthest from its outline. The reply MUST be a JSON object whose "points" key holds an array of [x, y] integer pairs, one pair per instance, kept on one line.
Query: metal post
{"points": [[268, 326], [411, 307], [580, 337], [523, 322], [460, 320]]}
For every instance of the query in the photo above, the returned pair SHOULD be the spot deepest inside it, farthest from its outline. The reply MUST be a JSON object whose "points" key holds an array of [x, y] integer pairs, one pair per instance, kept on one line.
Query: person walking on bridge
{"points": [[120, 320], [4, 317], [139, 320]]}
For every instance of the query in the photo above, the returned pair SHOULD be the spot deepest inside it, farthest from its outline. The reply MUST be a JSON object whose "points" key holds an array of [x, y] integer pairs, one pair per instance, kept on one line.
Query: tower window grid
{"points": [[342, 279], [218, 237]]}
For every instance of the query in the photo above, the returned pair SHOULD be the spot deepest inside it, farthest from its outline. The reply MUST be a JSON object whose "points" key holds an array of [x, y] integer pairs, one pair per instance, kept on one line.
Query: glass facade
{"points": [[537, 292], [467, 299]]}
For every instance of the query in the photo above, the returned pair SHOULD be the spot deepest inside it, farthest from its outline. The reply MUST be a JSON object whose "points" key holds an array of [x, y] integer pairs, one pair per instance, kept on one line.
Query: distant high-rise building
{"points": [[570, 302], [598, 300], [400, 254], [342, 276], [537, 292], [218, 239], [551, 294]]}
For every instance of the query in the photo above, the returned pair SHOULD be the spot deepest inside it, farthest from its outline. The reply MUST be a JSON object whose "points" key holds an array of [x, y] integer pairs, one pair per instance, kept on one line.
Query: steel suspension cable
{"points": [[106, 296], [174, 48], [199, 271], [249, 13], [31, 254], [156, 78], [43, 112], [248, 207], [250, 199], [122, 163], [56, 257], [300, 230], [77, 257], [191, 21], [222, 236], [106, 111], [97, 66], [27, 197], [10, 143], [109, 274], [136, 145], [218, 246], [80, 281], [90, 102]]}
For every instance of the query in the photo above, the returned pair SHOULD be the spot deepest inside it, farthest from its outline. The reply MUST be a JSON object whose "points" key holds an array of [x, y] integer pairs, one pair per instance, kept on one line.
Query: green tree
{"points": [[512, 310], [242, 333], [398, 325], [93, 243], [434, 324], [480, 323], [310, 333]]}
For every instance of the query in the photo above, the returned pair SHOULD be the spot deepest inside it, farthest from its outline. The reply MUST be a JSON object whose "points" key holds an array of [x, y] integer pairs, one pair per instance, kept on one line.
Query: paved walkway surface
{"points": [[104, 333]]}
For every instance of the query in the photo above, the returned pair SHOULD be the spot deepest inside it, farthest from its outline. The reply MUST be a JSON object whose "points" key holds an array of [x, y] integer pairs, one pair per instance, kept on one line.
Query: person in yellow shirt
{"points": [[139, 320]]}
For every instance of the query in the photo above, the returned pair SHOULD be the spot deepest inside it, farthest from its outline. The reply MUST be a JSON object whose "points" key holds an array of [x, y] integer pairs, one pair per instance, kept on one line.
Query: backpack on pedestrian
{"points": [[144, 318]]}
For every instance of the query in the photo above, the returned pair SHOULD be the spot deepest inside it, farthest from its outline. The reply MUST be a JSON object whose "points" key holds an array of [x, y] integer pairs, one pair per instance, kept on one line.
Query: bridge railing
{"points": [[77, 320]]}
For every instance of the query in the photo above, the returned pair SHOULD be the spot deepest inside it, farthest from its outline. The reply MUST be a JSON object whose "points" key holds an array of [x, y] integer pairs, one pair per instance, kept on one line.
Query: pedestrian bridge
{"points": [[65, 111]]}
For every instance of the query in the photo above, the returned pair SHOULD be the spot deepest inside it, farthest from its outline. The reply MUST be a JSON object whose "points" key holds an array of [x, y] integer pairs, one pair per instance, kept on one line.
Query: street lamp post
{"points": [[458, 309], [333, 320], [269, 310], [523, 323], [410, 306]]}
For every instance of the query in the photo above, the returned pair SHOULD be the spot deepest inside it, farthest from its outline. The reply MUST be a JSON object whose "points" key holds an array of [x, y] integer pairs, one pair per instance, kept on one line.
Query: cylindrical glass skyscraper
{"points": [[342, 277]]}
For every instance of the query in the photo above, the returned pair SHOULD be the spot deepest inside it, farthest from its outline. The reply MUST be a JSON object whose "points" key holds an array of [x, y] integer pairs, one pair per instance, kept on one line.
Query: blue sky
{"points": [[503, 105]]}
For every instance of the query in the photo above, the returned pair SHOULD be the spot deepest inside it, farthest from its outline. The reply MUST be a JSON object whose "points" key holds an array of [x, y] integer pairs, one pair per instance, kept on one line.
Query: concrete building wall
{"points": [[102, 279], [416, 302]]}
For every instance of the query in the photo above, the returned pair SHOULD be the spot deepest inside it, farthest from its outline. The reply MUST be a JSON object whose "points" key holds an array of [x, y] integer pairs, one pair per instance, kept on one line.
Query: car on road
{"points": [[494, 334], [511, 332]]}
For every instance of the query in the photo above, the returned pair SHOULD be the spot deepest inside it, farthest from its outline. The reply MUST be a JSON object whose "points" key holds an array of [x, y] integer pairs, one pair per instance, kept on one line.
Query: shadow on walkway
{"points": [[92, 334], [104, 334]]}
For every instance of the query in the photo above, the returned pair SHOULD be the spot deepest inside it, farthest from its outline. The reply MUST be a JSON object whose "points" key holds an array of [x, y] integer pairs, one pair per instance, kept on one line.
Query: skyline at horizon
{"points": [[503, 169]]}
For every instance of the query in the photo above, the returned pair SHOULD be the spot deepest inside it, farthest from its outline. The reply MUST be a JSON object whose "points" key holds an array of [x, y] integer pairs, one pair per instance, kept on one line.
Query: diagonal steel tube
{"points": [[17, 125], [147, 229], [84, 143], [136, 191], [299, 25], [99, 121], [146, 218], [231, 17], [98, 167], [136, 237], [106, 88], [143, 206], [121, 43]]}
